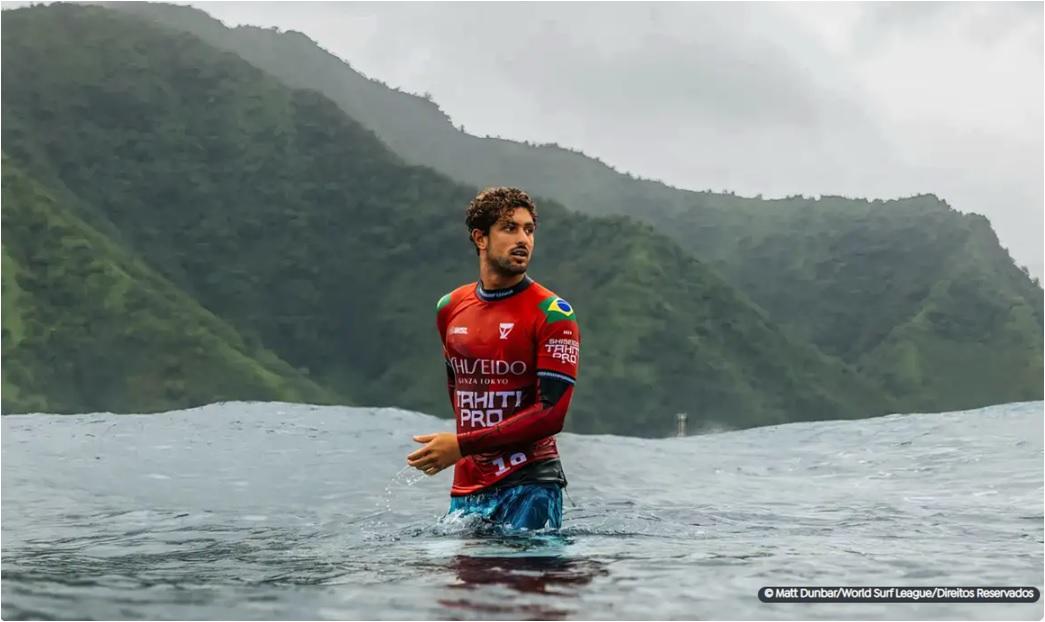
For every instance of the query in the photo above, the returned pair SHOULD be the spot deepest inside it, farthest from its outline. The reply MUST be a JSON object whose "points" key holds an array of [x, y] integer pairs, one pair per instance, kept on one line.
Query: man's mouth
{"points": [[520, 253]]}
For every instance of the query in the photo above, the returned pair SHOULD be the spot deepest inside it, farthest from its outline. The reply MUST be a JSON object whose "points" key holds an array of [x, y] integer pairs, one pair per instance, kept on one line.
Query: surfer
{"points": [[511, 349]]}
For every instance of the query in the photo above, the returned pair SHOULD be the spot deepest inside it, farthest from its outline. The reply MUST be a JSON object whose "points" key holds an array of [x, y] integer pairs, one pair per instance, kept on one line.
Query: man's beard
{"points": [[504, 266]]}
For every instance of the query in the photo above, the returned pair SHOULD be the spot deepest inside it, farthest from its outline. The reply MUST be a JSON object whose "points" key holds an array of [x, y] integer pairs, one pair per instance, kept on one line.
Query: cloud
{"points": [[861, 99]]}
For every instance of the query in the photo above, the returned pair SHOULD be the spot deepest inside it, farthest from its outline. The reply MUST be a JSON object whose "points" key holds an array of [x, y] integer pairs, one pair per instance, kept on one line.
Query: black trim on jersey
{"points": [[543, 472], [493, 295], [551, 389]]}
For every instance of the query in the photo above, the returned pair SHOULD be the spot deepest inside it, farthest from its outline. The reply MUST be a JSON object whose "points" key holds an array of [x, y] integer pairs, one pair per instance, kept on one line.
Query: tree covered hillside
{"points": [[295, 225], [87, 327], [847, 275]]}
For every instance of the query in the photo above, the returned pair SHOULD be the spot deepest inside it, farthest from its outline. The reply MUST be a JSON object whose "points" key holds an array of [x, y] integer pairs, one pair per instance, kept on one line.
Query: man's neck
{"points": [[493, 280]]}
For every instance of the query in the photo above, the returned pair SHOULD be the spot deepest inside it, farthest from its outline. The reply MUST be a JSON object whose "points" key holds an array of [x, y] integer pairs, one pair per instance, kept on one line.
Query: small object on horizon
{"points": [[681, 417]]}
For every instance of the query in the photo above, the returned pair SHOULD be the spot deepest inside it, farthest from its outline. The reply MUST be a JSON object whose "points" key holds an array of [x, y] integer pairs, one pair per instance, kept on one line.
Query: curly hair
{"points": [[493, 203]]}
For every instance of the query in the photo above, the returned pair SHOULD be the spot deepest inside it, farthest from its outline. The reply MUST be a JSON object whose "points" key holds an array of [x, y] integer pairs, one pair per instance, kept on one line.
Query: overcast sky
{"points": [[876, 100]]}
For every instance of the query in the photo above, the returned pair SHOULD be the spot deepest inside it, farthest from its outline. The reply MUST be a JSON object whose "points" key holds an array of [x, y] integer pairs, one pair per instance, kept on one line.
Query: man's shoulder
{"points": [[552, 306], [453, 296]]}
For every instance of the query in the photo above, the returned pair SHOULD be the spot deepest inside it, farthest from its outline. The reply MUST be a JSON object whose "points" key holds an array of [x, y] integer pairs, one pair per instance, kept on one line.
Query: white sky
{"points": [[874, 100]]}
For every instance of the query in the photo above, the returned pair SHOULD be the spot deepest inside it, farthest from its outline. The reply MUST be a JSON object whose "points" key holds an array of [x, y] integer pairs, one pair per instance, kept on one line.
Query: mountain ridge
{"points": [[707, 346], [819, 267], [295, 224]]}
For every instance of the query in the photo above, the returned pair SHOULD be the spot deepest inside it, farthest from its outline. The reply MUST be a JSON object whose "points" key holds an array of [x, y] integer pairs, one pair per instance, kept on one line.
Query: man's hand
{"points": [[439, 452]]}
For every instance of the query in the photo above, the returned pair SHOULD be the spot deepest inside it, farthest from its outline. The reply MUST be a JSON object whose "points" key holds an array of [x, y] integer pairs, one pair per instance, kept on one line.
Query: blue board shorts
{"points": [[526, 506]]}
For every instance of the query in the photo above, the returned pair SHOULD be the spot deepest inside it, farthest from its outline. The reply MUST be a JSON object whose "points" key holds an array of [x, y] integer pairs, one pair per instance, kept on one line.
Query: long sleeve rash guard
{"points": [[511, 360]]}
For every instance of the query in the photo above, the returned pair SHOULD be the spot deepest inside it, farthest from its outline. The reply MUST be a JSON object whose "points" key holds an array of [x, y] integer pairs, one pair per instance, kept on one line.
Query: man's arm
{"points": [[440, 449], [558, 350], [451, 378], [543, 418], [440, 325]]}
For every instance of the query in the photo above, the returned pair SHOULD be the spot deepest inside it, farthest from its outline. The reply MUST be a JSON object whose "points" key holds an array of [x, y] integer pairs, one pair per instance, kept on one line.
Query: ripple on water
{"points": [[262, 511]]}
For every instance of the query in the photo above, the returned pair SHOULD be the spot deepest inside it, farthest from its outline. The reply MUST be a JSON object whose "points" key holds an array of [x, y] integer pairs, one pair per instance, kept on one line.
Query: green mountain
{"points": [[848, 275], [87, 327], [294, 224], [919, 297], [977, 332]]}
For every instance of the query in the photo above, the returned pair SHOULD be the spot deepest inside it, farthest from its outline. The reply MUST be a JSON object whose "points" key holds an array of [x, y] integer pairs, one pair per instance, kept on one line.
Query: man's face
{"points": [[510, 244]]}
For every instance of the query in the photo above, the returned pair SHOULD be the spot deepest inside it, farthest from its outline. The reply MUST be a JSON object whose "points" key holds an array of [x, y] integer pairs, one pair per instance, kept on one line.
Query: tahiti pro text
{"points": [[486, 408]]}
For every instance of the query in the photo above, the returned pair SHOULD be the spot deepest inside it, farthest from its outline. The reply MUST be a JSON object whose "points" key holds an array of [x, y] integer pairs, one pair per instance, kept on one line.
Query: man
{"points": [[511, 348]]}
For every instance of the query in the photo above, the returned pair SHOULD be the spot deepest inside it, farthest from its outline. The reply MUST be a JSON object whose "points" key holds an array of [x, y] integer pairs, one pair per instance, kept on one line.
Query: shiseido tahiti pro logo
{"points": [[556, 309]]}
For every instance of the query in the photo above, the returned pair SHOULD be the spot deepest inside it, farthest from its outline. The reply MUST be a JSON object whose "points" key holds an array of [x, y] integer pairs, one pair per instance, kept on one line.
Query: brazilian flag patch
{"points": [[445, 300], [556, 309]]}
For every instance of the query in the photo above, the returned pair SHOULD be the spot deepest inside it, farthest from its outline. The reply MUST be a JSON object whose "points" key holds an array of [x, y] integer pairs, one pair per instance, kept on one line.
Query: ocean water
{"points": [[281, 511]]}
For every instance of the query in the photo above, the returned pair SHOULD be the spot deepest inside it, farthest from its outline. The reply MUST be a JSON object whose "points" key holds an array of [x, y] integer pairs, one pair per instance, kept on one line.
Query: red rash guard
{"points": [[499, 346]]}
